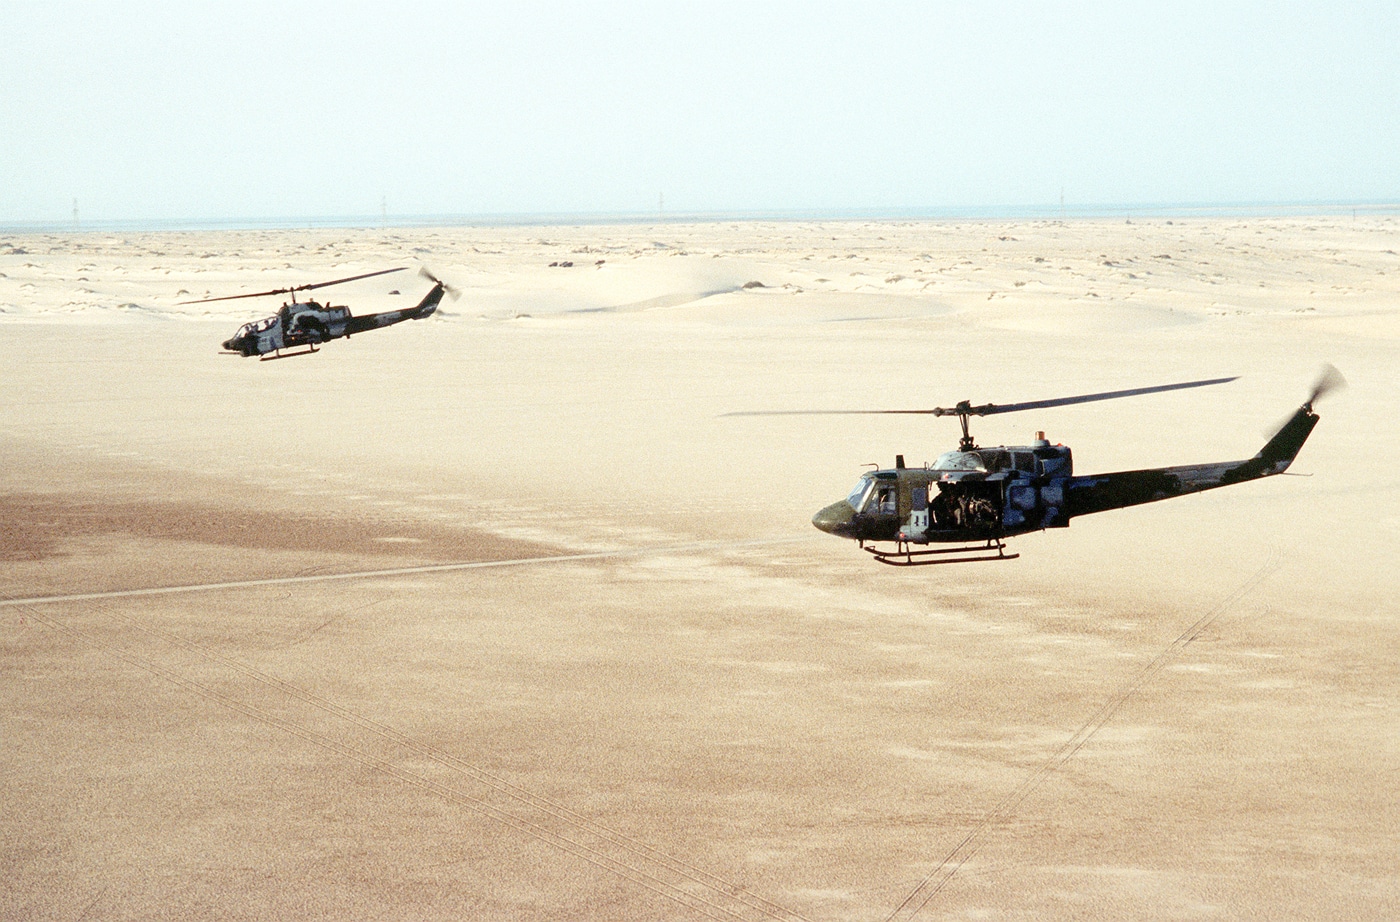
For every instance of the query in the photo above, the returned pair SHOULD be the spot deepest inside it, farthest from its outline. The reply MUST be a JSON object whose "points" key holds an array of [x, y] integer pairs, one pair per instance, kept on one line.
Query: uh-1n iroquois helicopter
{"points": [[975, 498], [302, 325]]}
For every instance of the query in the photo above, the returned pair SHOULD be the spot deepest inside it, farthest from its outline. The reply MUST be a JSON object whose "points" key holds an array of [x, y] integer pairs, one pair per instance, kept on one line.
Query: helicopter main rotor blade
{"points": [[256, 294], [353, 278], [283, 291], [990, 409], [818, 412]]}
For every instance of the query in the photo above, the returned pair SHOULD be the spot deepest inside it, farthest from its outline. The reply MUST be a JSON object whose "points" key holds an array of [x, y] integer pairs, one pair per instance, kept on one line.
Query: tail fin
{"points": [[1279, 452], [429, 303], [434, 297], [1286, 443]]}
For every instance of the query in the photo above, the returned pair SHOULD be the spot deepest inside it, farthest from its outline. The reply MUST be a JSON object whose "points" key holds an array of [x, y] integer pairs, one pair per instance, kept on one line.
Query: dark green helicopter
{"points": [[975, 498]]}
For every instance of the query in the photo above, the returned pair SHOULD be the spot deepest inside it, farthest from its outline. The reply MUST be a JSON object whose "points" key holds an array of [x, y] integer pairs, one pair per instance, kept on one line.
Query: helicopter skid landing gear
{"points": [[279, 354], [903, 556]]}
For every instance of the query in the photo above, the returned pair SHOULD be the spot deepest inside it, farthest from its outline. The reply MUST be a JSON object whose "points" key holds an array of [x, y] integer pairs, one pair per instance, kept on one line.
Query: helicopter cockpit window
{"points": [[860, 493], [959, 461], [994, 459], [885, 500], [256, 326]]}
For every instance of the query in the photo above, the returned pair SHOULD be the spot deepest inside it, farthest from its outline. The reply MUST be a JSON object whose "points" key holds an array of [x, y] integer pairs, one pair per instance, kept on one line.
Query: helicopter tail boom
{"points": [[429, 304], [1101, 492], [424, 308], [1280, 450]]}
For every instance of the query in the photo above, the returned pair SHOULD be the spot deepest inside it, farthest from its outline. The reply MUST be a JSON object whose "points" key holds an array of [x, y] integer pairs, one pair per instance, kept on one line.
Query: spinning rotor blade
{"points": [[990, 409], [817, 412], [1329, 380], [453, 293], [965, 409], [258, 294], [283, 291], [353, 278]]}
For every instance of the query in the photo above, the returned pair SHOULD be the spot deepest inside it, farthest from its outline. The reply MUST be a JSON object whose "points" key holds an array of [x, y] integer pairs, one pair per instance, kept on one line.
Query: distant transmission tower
{"points": [[661, 206], [384, 211], [75, 214]]}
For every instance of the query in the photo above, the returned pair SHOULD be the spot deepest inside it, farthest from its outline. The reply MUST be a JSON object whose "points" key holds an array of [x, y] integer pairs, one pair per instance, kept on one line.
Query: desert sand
{"points": [[496, 616]]}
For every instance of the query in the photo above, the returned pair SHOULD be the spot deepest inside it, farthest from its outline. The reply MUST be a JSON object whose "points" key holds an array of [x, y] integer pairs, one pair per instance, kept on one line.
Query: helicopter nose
{"points": [[239, 345], [836, 519]]}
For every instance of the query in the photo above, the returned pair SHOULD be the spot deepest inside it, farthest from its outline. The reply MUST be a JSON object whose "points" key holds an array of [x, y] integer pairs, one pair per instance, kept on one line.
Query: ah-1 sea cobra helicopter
{"points": [[307, 323], [977, 497]]}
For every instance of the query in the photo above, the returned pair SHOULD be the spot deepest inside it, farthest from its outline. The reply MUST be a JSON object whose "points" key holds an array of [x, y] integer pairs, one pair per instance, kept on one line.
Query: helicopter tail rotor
{"points": [[1328, 380], [453, 293]]}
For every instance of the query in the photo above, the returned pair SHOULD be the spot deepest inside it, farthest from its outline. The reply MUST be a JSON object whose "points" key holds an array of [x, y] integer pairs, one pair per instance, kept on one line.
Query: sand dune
{"points": [[1182, 710]]}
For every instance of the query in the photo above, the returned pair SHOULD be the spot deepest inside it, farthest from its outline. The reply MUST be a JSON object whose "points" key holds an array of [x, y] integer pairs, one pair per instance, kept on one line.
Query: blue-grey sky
{"points": [[197, 112]]}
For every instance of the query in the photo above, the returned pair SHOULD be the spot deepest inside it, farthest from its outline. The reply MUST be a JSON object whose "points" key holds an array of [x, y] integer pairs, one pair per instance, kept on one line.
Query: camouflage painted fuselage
{"points": [[991, 493], [308, 324]]}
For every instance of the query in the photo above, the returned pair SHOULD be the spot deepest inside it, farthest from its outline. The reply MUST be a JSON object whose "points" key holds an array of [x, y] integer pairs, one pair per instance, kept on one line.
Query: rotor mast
{"points": [[966, 443], [963, 410]]}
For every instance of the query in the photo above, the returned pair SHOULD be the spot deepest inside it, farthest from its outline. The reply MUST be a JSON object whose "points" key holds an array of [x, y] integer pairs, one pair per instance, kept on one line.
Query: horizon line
{"points": [[1160, 210]]}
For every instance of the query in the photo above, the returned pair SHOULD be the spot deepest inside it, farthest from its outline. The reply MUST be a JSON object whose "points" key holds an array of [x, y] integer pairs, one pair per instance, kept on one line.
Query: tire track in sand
{"points": [[961, 853], [393, 571], [629, 858]]}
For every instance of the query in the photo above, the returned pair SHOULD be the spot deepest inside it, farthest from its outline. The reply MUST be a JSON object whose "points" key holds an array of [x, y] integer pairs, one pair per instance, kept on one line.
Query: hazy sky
{"points": [[188, 111]]}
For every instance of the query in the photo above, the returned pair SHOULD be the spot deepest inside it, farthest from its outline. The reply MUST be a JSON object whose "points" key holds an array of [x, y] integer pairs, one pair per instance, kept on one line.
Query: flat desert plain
{"points": [[496, 615]]}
